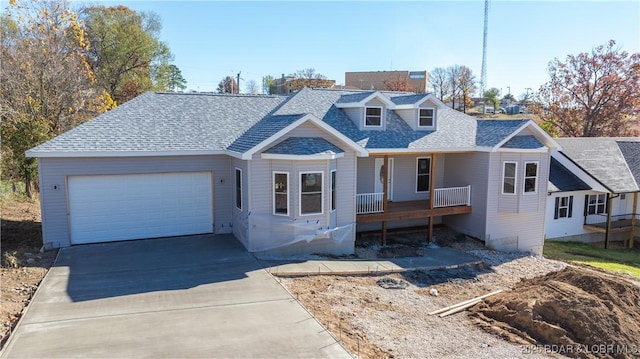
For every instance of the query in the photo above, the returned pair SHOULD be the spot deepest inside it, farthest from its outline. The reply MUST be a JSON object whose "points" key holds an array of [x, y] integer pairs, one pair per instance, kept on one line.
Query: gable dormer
{"points": [[420, 111], [368, 110]]}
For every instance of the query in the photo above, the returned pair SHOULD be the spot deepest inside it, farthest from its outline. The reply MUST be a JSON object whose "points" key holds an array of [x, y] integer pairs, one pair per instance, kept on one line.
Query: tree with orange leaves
{"points": [[593, 94]]}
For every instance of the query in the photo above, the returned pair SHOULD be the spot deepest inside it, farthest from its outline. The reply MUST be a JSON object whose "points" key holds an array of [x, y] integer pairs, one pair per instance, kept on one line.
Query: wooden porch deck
{"points": [[410, 210], [616, 226]]}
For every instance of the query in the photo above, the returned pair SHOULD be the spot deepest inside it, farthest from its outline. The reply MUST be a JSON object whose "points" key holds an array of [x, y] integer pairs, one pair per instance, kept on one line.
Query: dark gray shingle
{"points": [[601, 157], [631, 152]]}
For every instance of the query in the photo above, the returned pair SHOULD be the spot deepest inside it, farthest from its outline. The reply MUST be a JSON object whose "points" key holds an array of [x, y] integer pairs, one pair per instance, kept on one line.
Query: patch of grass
{"points": [[617, 260]]}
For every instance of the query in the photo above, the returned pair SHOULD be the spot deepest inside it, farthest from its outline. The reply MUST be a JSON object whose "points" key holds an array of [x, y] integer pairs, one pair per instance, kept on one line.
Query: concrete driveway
{"points": [[187, 297]]}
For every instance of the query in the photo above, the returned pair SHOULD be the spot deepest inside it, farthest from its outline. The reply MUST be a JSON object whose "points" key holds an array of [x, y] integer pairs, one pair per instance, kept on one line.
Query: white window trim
{"points": [[364, 117], [524, 178], [274, 193], [300, 194], [235, 187], [596, 204], [430, 174], [515, 179], [433, 121], [332, 190], [560, 206]]}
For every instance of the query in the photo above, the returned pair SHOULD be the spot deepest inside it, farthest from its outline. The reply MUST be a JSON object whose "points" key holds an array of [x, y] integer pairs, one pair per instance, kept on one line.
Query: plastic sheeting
{"points": [[271, 232]]}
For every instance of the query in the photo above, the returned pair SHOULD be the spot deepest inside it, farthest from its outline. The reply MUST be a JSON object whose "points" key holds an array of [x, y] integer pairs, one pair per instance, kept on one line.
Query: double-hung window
{"points": [[425, 117], [423, 175], [238, 188], [311, 193], [596, 204], [564, 207], [281, 193], [509, 177], [530, 177], [373, 116]]}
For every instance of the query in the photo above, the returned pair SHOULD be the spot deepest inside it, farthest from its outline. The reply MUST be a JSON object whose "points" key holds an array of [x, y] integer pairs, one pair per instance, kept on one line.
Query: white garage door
{"points": [[122, 207]]}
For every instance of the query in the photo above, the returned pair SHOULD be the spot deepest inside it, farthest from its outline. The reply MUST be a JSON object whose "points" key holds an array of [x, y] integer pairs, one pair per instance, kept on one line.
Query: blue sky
{"points": [[214, 39]]}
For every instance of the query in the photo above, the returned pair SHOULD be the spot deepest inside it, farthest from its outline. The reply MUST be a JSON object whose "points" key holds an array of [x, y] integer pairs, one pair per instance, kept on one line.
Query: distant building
{"points": [[376, 80], [291, 83]]}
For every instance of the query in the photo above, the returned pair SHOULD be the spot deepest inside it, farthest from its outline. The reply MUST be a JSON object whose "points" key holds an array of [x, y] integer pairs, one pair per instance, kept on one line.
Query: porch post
{"points": [[385, 184], [606, 233], [634, 213], [432, 192]]}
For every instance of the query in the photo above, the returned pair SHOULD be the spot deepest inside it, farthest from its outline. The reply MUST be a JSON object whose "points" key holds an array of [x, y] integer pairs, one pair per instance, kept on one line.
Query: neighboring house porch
{"points": [[626, 219], [593, 191]]}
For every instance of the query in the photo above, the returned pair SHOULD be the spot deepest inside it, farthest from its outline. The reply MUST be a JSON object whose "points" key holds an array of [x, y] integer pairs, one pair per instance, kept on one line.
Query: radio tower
{"points": [[483, 74]]}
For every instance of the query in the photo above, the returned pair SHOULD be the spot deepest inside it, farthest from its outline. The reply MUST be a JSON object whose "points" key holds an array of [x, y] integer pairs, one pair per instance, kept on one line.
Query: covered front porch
{"points": [[407, 202], [616, 223]]}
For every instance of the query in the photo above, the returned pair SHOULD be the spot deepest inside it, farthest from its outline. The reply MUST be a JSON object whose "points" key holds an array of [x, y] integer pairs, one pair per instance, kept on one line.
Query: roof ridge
{"points": [[244, 95]]}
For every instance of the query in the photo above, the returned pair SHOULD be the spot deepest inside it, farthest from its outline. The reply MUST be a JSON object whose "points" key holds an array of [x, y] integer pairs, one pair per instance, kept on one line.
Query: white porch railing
{"points": [[454, 196], [369, 203], [443, 197]]}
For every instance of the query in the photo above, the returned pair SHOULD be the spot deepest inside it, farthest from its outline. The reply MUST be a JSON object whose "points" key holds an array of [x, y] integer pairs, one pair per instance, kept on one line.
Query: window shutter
{"points": [[570, 206], [586, 204], [555, 214], [606, 206]]}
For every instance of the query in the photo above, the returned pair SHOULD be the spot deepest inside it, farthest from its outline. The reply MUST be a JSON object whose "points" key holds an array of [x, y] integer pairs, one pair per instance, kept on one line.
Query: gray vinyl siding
{"points": [[366, 177], [524, 230], [521, 202], [356, 115], [240, 217], [405, 178], [54, 172], [463, 169], [264, 231], [409, 116]]}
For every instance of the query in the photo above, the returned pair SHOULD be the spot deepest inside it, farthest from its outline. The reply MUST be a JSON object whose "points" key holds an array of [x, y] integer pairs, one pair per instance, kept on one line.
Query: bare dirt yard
{"points": [[374, 319], [23, 266]]}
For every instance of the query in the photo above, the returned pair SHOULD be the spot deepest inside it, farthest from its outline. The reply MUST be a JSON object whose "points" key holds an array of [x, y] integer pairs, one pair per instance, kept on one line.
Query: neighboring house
{"points": [[296, 174], [594, 190], [377, 80]]}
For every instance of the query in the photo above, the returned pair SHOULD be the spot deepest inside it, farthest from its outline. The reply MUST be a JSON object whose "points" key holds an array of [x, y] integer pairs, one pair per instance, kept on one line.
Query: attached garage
{"points": [[106, 208]]}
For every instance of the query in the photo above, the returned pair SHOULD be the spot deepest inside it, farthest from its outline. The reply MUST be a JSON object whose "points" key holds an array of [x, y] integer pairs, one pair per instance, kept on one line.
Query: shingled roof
{"points": [[166, 122], [603, 159], [177, 123]]}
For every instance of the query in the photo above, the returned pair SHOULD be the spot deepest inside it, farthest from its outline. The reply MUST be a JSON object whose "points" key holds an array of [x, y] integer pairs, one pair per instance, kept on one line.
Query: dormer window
{"points": [[425, 117], [373, 116]]}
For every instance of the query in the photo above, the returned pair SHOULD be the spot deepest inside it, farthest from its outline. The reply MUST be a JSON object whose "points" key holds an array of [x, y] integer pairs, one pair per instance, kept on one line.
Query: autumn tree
{"points": [[492, 95], [593, 93], [309, 78], [467, 86], [398, 84], [268, 85], [228, 85], [440, 83], [125, 50], [46, 85]]}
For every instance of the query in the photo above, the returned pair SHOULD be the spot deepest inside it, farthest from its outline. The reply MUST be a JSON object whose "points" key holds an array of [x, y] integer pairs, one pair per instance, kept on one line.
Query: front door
{"points": [[379, 177]]}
